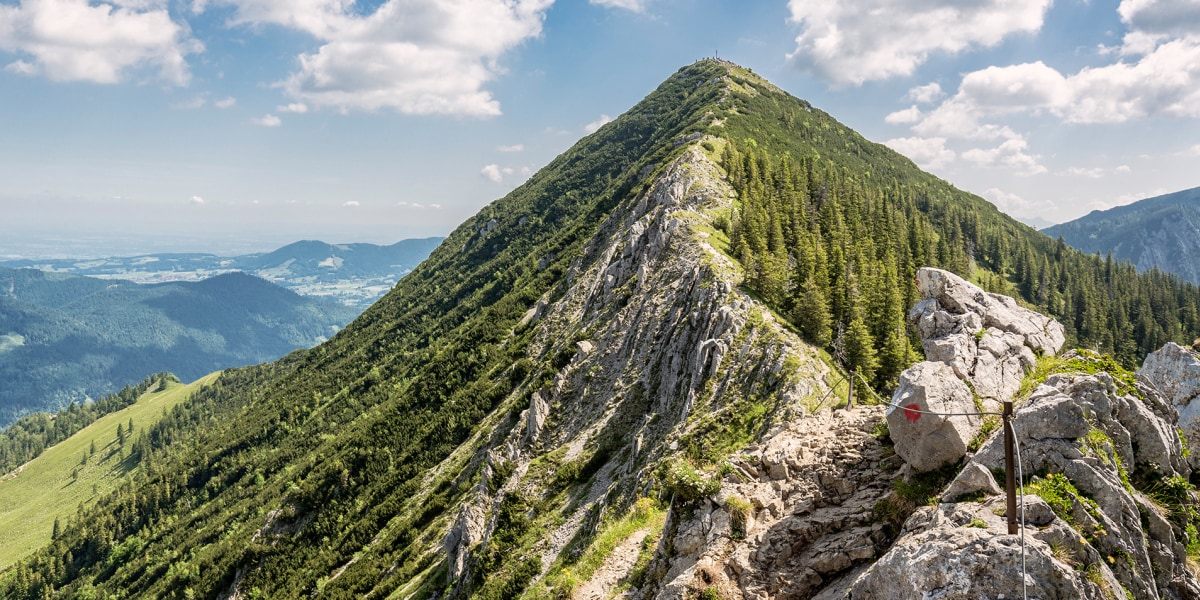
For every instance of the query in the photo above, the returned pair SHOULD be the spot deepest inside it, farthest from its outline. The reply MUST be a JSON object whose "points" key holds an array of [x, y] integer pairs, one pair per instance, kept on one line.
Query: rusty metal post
{"points": [[1010, 469]]}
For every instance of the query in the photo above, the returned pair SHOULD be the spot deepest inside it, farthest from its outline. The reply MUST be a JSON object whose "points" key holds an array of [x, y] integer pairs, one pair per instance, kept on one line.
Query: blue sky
{"points": [[230, 125]]}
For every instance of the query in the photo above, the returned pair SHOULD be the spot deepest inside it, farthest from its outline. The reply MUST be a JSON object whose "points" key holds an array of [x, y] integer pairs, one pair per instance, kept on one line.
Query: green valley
{"points": [[44, 494]]}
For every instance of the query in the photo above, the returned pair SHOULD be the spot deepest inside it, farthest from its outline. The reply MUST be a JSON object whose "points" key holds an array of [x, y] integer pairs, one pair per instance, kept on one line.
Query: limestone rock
{"points": [[535, 418], [964, 553], [927, 441], [1175, 372], [973, 479], [988, 339], [958, 296]]}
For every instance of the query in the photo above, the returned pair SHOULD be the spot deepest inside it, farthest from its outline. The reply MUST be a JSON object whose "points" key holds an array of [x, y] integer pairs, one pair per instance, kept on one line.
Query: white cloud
{"points": [[294, 107], [1011, 153], [633, 5], [854, 42], [928, 153], [926, 94], [352, 204], [196, 200], [1017, 87], [412, 56], [435, 206], [492, 172], [74, 40], [512, 148], [225, 102], [1123, 169], [268, 120], [597, 124], [900, 117], [1166, 17]]}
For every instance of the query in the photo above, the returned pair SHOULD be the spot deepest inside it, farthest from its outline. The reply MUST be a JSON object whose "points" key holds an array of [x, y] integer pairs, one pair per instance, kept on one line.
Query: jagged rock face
{"points": [[650, 315], [927, 441], [1175, 371], [970, 336], [1083, 427], [988, 339], [811, 488]]}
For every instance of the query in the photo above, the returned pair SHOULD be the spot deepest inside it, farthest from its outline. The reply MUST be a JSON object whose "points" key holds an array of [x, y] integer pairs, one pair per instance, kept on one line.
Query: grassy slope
{"points": [[41, 490]]}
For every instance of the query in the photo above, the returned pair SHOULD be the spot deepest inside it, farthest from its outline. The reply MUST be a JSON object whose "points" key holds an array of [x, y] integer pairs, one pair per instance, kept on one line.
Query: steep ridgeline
{"points": [[598, 381], [1156, 233]]}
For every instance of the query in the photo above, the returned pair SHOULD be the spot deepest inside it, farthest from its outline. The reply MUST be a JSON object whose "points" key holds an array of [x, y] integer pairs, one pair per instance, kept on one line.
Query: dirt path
{"points": [[615, 567]]}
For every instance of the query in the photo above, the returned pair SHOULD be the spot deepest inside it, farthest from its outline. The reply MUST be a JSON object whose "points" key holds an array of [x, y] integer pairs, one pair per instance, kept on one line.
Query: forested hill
{"points": [[66, 338], [1156, 233], [339, 471]]}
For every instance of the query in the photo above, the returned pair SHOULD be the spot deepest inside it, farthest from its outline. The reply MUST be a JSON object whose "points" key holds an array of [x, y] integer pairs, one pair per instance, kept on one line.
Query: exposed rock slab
{"points": [[925, 438], [1175, 371], [988, 339]]}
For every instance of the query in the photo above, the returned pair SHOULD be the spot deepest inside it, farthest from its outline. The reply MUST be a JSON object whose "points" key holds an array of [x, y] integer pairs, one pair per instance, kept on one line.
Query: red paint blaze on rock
{"points": [[912, 412]]}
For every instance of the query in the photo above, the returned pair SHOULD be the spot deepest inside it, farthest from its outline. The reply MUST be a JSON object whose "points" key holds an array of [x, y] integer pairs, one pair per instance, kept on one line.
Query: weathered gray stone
{"points": [[959, 296], [973, 479], [1175, 372], [927, 441]]}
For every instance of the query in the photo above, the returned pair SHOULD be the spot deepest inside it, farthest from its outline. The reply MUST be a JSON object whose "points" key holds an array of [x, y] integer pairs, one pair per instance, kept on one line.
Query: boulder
{"points": [[927, 441], [959, 296], [988, 339], [1175, 372]]}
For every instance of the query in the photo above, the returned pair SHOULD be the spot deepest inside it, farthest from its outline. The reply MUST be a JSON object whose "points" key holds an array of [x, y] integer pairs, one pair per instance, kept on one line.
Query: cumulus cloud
{"points": [[855, 42], [294, 107], [512, 148], [268, 120], [601, 121], [1157, 74], [413, 56], [900, 117], [925, 94], [225, 102], [1011, 153], [492, 172], [75, 40], [196, 200], [928, 153], [352, 204]]}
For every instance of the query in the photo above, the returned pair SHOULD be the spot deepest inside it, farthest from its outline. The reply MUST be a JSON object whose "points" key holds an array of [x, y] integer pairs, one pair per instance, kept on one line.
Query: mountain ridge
{"points": [[1162, 232], [617, 336]]}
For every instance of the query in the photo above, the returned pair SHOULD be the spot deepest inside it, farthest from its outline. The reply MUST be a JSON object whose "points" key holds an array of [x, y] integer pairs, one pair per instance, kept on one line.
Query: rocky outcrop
{"points": [[925, 434], [1175, 371], [647, 336], [970, 337], [1090, 439], [988, 339]]}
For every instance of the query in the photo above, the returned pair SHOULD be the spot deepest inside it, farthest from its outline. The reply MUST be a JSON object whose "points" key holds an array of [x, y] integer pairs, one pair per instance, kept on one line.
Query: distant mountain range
{"points": [[1162, 232], [353, 274], [66, 337]]}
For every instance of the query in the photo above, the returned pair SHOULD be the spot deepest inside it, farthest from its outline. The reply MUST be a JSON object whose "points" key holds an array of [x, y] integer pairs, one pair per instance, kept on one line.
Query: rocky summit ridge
{"points": [[838, 510]]}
